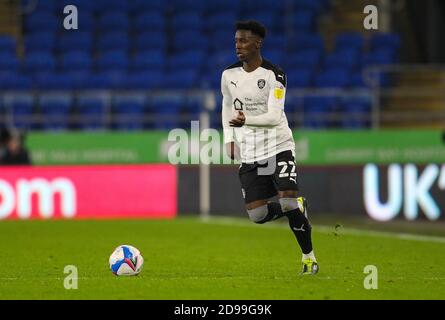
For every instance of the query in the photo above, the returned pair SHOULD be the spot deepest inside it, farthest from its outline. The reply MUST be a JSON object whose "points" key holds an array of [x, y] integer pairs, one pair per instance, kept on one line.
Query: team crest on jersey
{"points": [[261, 83]]}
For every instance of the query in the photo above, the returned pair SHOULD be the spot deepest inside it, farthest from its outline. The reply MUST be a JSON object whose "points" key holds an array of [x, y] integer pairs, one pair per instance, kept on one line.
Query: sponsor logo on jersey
{"points": [[238, 104], [261, 83]]}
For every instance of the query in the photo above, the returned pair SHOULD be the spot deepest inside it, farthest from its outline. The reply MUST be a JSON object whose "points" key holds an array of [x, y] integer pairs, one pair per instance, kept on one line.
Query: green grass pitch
{"points": [[219, 259]]}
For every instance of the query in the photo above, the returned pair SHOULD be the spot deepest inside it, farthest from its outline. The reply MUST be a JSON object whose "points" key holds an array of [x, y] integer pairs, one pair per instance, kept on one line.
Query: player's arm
{"points": [[275, 104], [226, 115]]}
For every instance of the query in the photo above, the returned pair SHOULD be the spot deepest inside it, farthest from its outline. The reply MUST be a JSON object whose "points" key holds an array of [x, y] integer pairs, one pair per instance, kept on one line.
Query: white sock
{"points": [[310, 255]]}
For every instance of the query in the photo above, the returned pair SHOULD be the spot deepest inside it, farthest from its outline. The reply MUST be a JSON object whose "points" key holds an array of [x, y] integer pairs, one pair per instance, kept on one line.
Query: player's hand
{"points": [[239, 120]]}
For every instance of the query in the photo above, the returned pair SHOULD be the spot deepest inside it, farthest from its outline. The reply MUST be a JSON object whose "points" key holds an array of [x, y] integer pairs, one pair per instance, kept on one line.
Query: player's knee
{"points": [[259, 214], [288, 204]]}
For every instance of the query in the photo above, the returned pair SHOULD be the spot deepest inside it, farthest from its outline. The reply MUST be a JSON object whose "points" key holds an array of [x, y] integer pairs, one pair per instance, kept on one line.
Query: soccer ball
{"points": [[126, 260]]}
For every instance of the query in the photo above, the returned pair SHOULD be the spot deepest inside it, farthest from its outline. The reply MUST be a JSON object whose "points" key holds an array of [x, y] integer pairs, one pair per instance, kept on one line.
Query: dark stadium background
{"points": [[105, 95], [93, 108]]}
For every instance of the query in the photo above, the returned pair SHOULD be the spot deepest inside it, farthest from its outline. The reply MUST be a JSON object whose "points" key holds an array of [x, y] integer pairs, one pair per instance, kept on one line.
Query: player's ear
{"points": [[259, 43]]}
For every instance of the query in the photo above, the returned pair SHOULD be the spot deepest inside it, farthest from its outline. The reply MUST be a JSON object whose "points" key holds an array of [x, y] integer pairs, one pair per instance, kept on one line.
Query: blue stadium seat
{"points": [[84, 80], [148, 60], [189, 112], [306, 41], [113, 41], [3, 117], [222, 41], [113, 61], [187, 60], [39, 62], [215, 118], [99, 80], [353, 40], [227, 6], [143, 80], [193, 106], [275, 41], [197, 6], [318, 111], [74, 41], [41, 41], [299, 78], [377, 78], [86, 21], [303, 21], [129, 111], [316, 6], [390, 41], [21, 108], [53, 81], [187, 22], [332, 78], [55, 110], [347, 58], [111, 5], [93, 111], [255, 6], [294, 110], [308, 58], [220, 60], [181, 79], [357, 80], [357, 112], [167, 109], [76, 61], [14, 81], [294, 104], [79, 78], [267, 18], [150, 41], [211, 80], [221, 21], [379, 57], [137, 6], [382, 56], [39, 6], [149, 21], [116, 78], [83, 6], [8, 62], [113, 21], [276, 57], [189, 40], [7, 44], [43, 21]]}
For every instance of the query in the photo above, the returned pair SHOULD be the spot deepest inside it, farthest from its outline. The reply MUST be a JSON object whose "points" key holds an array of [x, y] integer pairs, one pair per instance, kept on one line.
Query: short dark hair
{"points": [[254, 26]]}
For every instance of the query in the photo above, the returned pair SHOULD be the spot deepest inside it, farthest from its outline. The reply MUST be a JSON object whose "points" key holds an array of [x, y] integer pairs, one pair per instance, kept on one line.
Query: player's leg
{"points": [[257, 189], [296, 211], [295, 208], [262, 211]]}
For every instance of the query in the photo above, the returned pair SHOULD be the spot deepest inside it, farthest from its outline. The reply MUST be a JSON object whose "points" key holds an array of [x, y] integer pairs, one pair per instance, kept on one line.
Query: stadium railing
{"points": [[320, 108]]}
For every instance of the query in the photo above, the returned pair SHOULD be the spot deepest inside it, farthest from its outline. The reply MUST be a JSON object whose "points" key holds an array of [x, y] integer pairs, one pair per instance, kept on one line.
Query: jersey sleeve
{"points": [[275, 102], [226, 112]]}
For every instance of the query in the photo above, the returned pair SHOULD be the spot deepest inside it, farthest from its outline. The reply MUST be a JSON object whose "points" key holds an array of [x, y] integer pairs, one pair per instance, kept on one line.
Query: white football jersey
{"points": [[260, 95]]}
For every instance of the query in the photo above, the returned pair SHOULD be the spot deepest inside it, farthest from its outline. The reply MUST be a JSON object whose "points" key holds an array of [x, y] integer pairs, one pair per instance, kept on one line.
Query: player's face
{"points": [[246, 44]]}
